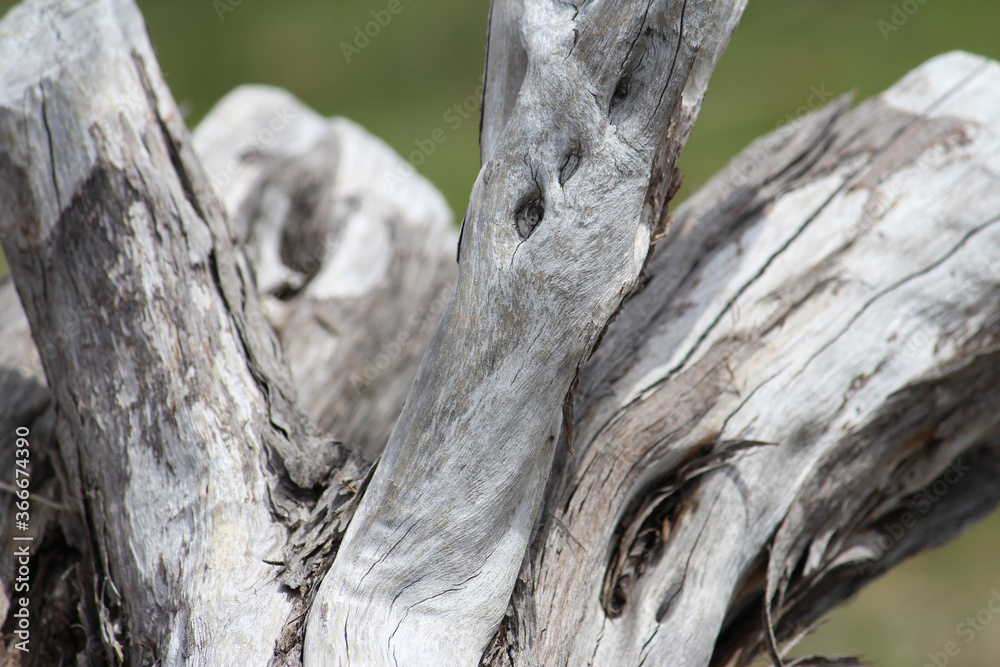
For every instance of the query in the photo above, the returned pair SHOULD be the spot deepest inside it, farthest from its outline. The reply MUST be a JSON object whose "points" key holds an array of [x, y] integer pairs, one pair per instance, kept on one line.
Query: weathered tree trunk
{"points": [[573, 188], [814, 343], [176, 420]]}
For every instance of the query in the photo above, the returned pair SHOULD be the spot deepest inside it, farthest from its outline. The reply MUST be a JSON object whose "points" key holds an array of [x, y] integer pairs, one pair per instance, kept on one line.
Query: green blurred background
{"points": [[429, 57]]}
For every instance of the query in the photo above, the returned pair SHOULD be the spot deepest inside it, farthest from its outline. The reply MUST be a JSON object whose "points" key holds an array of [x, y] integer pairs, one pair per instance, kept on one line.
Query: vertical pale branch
{"points": [[559, 225], [176, 420]]}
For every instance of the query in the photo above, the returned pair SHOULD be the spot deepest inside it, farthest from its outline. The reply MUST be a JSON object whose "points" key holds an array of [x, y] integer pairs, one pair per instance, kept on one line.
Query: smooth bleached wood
{"points": [[353, 252]]}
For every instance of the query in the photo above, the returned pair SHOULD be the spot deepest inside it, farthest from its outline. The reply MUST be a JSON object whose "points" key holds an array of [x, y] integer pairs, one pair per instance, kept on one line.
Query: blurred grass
{"points": [[430, 56], [784, 48]]}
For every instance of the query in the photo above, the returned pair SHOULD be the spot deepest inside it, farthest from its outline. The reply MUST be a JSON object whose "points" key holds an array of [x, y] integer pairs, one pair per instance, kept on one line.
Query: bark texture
{"points": [[177, 427], [810, 357], [573, 189], [814, 358]]}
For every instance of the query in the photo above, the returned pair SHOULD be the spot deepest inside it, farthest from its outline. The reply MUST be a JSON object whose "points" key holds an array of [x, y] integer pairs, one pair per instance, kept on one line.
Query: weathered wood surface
{"points": [[573, 189], [815, 344], [821, 327], [25, 403], [177, 423], [249, 164], [354, 254]]}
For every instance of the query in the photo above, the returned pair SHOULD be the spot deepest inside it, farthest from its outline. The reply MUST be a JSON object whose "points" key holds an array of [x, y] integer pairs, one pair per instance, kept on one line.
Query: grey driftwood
{"points": [[610, 455]]}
